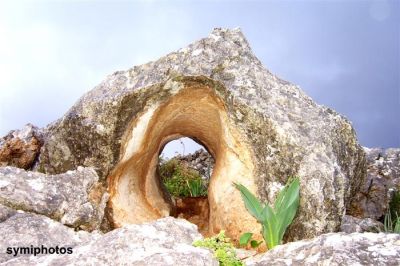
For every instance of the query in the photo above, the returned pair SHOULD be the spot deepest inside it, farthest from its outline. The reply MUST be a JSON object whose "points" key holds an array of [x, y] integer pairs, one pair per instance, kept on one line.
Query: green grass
{"points": [[392, 218]]}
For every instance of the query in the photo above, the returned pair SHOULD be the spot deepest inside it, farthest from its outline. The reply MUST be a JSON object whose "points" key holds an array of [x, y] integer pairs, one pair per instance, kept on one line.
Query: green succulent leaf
{"points": [[287, 196], [270, 227], [251, 202], [275, 220]]}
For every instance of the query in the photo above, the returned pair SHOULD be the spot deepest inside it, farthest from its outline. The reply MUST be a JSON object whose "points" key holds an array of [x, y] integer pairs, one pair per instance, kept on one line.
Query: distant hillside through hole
{"points": [[185, 168]]}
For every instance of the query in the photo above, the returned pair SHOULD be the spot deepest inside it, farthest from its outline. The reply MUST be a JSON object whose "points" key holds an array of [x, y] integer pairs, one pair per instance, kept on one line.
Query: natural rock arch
{"points": [[267, 128], [195, 111]]}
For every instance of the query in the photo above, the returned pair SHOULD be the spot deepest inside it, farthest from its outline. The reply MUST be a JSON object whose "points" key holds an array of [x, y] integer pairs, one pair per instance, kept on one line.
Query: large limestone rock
{"points": [[164, 242], [75, 198], [260, 130], [378, 186], [335, 249]]}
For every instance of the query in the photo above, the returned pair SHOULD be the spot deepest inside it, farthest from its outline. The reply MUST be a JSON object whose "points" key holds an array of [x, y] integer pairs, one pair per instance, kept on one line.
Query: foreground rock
{"points": [[335, 249], [164, 242], [352, 224], [74, 198], [20, 148], [168, 241], [259, 128], [382, 179], [25, 229]]}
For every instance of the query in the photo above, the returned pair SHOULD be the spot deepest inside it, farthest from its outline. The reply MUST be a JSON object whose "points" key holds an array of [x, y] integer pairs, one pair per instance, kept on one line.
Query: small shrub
{"points": [[180, 180], [274, 220], [224, 250]]}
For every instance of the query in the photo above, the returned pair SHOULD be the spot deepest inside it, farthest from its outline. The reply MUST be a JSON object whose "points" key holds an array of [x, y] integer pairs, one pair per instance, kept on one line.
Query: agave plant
{"points": [[276, 219]]}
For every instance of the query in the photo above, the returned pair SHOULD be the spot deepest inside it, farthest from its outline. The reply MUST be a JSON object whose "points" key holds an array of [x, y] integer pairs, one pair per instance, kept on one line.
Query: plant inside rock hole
{"points": [[196, 187], [181, 181], [222, 247], [274, 220]]}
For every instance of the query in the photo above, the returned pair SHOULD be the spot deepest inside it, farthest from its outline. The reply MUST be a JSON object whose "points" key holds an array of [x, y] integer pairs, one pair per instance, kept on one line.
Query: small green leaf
{"points": [[245, 238], [255, 244]]}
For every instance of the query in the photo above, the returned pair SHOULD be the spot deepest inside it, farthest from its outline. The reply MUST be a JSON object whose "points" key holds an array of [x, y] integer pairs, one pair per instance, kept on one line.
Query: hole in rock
{"points": [[194, 110], [185, 170]]}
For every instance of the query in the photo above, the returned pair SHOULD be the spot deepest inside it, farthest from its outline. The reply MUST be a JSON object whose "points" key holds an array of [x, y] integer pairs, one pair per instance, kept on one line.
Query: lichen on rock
{"points": [[379, 184], [74, 198]]}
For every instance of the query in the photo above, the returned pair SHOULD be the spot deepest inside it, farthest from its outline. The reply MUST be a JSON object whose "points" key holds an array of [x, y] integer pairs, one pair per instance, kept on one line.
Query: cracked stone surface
{"points": [[163, 242], [259, 128], [335, 249], [74, 198], [382, 179]]}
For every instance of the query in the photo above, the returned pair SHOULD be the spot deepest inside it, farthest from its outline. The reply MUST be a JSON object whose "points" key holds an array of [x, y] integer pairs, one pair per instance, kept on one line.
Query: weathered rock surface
{"points": [[75, 198], [25, 229], [168, 241], [259, 128], [20, 148], [352, 224], [5, 213], [335, 249], [163, 242], [382, 179]]}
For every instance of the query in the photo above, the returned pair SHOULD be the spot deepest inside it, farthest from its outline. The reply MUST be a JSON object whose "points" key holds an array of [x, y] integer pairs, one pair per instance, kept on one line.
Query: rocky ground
{"points": [[168, 242], [28, 199]]}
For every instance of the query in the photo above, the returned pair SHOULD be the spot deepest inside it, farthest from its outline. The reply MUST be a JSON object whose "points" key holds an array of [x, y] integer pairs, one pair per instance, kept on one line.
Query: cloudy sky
{"points": [[344, 54]]}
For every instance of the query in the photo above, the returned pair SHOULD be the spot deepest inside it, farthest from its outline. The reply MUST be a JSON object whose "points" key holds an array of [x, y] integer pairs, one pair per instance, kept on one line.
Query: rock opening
{"points": [[186, 178], [195, 111]]}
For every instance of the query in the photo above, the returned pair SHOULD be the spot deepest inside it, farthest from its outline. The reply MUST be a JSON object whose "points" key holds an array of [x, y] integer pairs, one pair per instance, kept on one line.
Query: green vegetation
{"points": [[196, 187], [245, 238], [274, 220], [224, 250], [180, 180], [393, 225]]}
